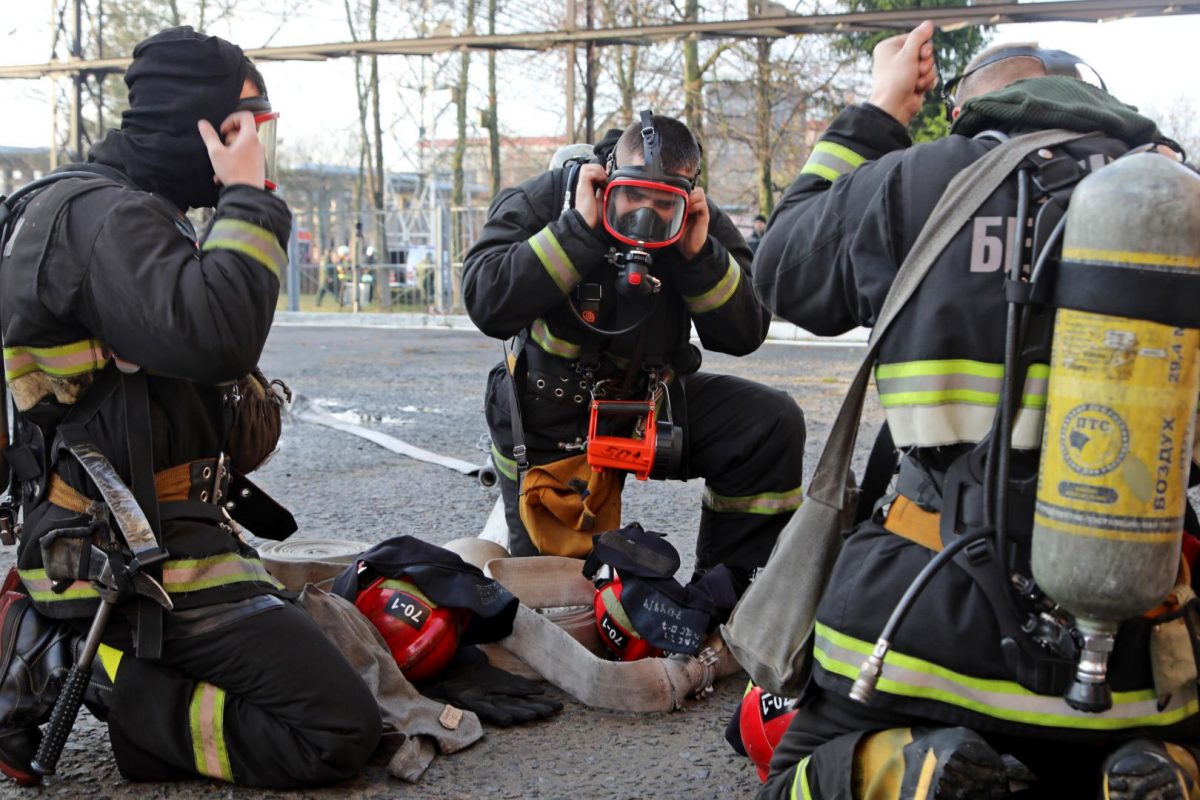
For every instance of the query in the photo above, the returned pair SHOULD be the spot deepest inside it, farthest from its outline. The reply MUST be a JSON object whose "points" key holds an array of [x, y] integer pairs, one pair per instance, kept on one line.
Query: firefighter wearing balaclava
{"points": [[978, 695], [599, 272], [123, 331]]}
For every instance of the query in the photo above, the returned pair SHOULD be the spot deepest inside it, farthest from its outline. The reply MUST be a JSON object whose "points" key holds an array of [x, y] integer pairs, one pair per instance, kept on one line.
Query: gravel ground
{"points": [[426, 387]]}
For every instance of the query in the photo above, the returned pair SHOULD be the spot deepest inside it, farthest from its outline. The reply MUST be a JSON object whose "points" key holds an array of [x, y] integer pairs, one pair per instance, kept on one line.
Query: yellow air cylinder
{"points": [[1121, 405]]}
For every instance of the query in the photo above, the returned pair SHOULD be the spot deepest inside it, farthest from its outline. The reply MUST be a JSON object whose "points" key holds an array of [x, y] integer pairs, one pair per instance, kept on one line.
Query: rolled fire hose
{"points": [[297, 562], [541, 642]]}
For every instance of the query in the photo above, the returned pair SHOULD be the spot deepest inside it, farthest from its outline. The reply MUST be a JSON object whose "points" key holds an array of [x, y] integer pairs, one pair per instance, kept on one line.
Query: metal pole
{"points": [[569, 25], [439, 255], [589, 79], [77, 79], [293, 271]]}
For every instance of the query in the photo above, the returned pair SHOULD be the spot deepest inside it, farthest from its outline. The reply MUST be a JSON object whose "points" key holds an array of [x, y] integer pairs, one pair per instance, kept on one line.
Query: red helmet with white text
{"points": [[422, 636]]}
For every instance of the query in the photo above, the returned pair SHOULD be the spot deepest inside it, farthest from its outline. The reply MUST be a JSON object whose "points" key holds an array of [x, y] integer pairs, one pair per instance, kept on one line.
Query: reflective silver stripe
{"points": [[831, 160], [555, 260], [907, 676], [248, 239], [539, 331], [955, 423], [718, 295], [764, 503]]}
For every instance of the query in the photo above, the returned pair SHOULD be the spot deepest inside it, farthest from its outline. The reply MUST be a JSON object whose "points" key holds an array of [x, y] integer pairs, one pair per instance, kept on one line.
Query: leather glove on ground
{"points": [[498, 697]]}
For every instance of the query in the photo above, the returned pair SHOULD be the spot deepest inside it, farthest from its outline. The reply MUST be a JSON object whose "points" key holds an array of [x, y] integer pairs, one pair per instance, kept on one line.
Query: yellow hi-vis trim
{"points": [[831, 161], [248, 239], [800, 782], [207, 716], [61, 361], [539, 331], [506, 465], [907, 676], [556, 261], [718, 295], [766, 503], [110, 659], [179, 575]]}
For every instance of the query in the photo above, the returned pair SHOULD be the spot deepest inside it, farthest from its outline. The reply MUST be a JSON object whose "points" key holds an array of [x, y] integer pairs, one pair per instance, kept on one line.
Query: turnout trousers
{"points": [[835, 749], [265, 701], [745, 439]]}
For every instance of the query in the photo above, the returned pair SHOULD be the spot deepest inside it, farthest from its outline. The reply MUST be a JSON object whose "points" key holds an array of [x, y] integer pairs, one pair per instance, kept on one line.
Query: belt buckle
{"points": [[220, 480]]}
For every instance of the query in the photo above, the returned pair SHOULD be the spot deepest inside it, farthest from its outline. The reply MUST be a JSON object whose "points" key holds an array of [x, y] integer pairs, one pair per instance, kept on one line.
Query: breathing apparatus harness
{"points": [[1042, 644]]}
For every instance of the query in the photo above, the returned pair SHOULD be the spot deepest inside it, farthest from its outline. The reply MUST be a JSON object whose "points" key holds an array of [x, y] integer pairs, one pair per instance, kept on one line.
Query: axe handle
{"points": [[66, 707]]}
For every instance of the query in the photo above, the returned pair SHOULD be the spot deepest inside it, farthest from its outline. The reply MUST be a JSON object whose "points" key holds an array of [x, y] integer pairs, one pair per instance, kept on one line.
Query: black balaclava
{"points": [[177, 77]]}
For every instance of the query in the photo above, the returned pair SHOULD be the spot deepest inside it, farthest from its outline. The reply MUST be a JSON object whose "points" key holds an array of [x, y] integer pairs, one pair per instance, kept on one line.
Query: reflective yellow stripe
{"points": [[940, 402], [507, 466], [179, 576], [800, 782], [539, 331], [196, 574], [718, 295], [765, 503], [906, 676], [63, 360], [608, 598], [207, 716], [831, 161], [248, 239], [555, 260]]}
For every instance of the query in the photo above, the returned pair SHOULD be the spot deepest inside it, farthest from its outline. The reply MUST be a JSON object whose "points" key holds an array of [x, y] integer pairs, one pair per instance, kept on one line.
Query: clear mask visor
{"points": [[644, 213]]}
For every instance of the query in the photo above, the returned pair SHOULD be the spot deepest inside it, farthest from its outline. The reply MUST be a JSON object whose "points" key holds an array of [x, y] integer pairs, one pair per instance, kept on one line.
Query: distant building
{"points": [[20, 165]]}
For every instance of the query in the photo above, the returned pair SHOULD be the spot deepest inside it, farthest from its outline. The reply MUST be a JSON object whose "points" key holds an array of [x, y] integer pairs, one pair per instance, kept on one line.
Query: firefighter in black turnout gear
{"points": [[123, 336], [948, 704], [598, 271]]}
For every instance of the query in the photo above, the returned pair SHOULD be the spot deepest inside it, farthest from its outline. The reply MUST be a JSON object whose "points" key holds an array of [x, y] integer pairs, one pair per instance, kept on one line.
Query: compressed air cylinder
{"points": [[1121, 403]]}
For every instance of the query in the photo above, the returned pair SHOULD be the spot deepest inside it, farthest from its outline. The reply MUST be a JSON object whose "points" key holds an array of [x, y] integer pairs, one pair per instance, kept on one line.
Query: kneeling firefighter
{"points": [[1041, 384], [125, 345], [596, 272]]}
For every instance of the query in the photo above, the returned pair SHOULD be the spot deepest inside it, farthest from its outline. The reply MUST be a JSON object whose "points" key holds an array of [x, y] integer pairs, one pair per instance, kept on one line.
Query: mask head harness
{"points": [[1055, 62], [266, 121]]}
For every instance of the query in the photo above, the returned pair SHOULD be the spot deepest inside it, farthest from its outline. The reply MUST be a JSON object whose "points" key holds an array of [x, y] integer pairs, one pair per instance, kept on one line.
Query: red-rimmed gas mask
{"points": [[266, 121], [645, 206]]}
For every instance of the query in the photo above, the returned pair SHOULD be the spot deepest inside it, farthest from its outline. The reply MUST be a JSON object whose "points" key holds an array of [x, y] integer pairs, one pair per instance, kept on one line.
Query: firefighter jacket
{"points": [[96, 271], [533, 255], [826, 263]]}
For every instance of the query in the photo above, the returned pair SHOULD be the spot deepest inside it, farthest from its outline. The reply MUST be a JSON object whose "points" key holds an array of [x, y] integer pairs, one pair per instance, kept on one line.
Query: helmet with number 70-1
{"points": [[614, 625], [762, 720], [422, 636]]}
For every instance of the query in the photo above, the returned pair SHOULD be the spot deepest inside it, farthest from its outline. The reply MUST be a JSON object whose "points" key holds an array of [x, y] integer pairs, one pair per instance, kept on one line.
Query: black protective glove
{"points": [[498, 697]]}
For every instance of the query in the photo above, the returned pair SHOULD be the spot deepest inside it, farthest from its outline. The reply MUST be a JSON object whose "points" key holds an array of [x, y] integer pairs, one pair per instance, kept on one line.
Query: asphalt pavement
{"points": [[425, 386]]}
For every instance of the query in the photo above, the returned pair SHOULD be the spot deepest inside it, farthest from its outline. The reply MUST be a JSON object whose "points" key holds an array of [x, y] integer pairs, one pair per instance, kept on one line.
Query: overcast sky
{"points": [[1151, 63]]}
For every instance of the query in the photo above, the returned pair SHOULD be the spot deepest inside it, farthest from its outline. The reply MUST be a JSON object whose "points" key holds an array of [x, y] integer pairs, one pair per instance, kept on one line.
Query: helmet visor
{"points": [[267, 123], [644, 213]]}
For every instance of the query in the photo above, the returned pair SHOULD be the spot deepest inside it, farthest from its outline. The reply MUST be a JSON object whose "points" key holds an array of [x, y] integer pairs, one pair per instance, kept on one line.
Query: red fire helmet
{"points": [[422, 636], [762, 721], [615, 628]]}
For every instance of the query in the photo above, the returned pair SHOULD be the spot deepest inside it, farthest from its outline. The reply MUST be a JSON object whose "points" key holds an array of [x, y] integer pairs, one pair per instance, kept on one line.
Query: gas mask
{"points": [[1055, 62], [266, 121], [645, 209]]}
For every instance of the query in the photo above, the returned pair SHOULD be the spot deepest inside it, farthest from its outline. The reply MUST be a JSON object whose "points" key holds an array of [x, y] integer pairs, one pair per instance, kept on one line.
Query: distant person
{"points": [[760, 227], [334, 276], [587, 327]]}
